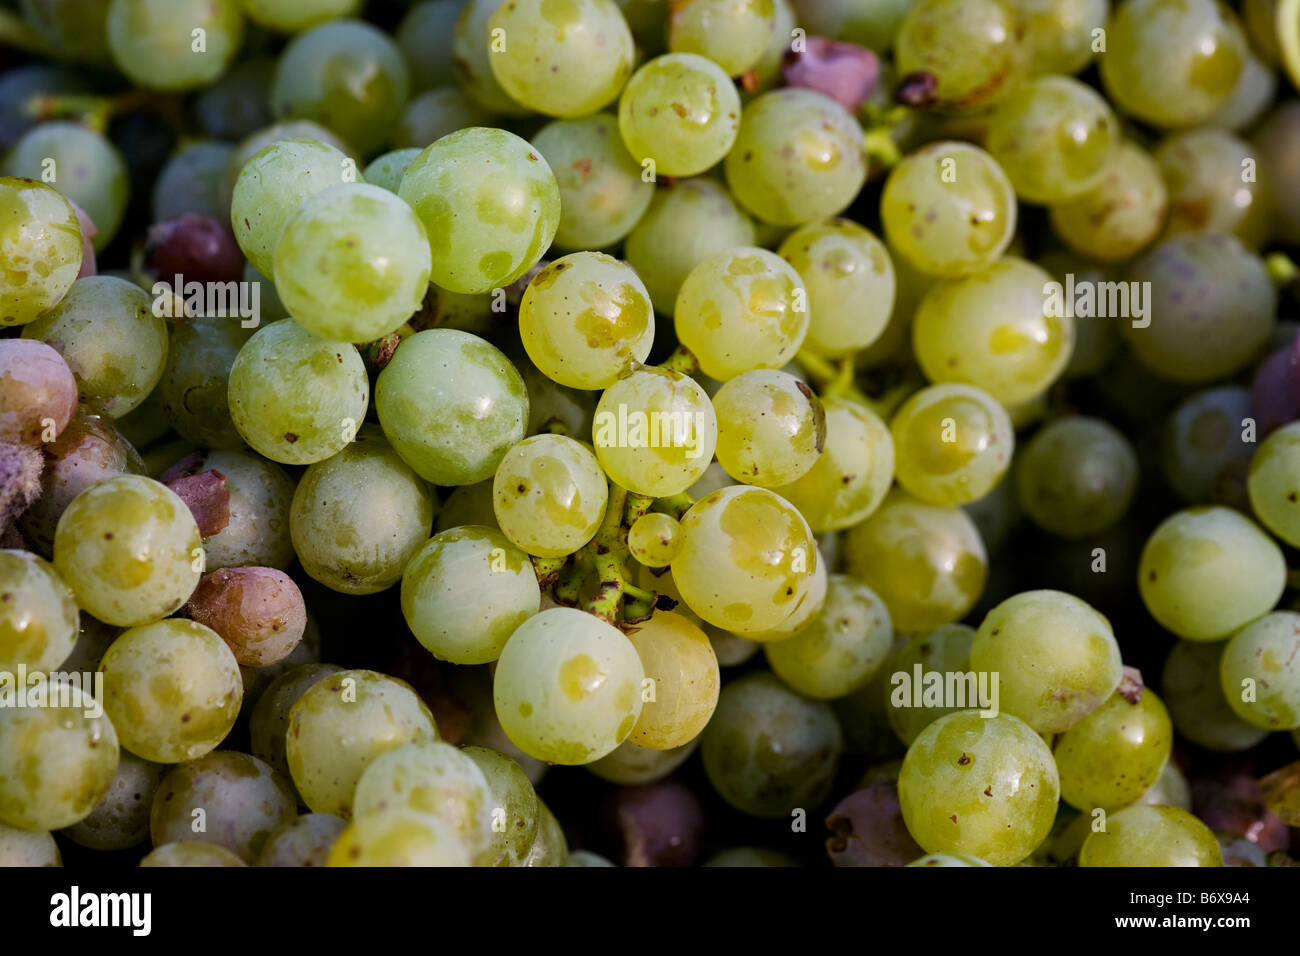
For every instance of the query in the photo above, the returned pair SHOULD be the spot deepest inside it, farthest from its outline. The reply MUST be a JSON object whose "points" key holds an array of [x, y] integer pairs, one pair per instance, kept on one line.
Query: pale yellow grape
{"points": [[771, 428], [914, 700], [1111, 757], [401, 838], [747, 559], [586, 319], [732, 33], [1059, 34], [1120, 215], [654, 539], [1213, 185], [974, 48], [855, 470], [1206, 572], [41, 248], [129, 549], [38, 614], [952, 444], [1274, 483], [655, 432], [1146, 836], [471, 48], [568, 687], [810, 606], [679, 660], [682, 112], [172, 690], [1260, 671], [549, 495]]}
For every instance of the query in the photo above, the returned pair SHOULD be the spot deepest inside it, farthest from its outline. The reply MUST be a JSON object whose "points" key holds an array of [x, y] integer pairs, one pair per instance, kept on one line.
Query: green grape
{"points": [[424, 36], [602, 192], [550, 848], [841, 648], [699, 128], [767, 750], [348, 75], [387, 170], [850, 281], [732, 33], [629, 764], [1057, 657], [1252, 95], [194, 385], [771, 428], [73, 30], [952, 444], [510, 191], [471, 48], [1210, 188], [1121, 215], [1111, 757], [436, 113], [258, 532], [948, 209], [153, 41], [453, 428], [586, 319], [401, 838], [1172, 62], [273, 183], [28, 849], [304, 841], [1260, 672], [797, 159], [257, 141], [1171, 789], [191, 853], [944, 650], [241, 798], [291, 16], [106, 331], [980, 786], [855, 470], [567, 59], [1211, 308], [568, 687], [1053, 137], [1193, 687], [1058, 35], [1204, 448], [1206, 572], [269, 720], [129, 549], [468, 504], [1096, 339], [191, 182], [654, 539], [927, 563], [549, 495], [58, 755], [340, 725], [1276, 145], [948, 859], [1077, 477], [358, 518], [511, 793], [747, 559], [295, 397], [1148, 836], [1272, 483], [681, 670], [655, 432], [744, 856], [468, 560], [40, 245], [38, 614], [974, 48], [172, 690], [995, 331], [873, 25]]}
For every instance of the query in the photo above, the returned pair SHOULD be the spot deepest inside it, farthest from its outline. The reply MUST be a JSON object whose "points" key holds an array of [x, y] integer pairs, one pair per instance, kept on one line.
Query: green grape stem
{"points": [[548, 570], [674, 506], [1287, 22], [682, 361], [637, 505]]}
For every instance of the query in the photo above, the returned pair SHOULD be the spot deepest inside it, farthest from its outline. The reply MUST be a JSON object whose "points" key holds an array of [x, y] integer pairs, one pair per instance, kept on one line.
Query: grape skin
{"points": [[191, 182], [699, 128], [1076, 477], [1271, 485], [1120, 215], [1264, 652], [1111, 757], [966, 462], [41, 248], [678, 657], [973, 47], [732, 33], [303, 841], [40, 630], [945, 649], [151, 40], [1151, 836], [1194, 693], [549, 495], [771, 428], [121, 818]]}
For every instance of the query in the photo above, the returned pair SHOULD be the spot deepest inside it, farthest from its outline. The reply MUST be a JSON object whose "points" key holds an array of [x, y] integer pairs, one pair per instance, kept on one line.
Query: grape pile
{"points": [[417, 416]]}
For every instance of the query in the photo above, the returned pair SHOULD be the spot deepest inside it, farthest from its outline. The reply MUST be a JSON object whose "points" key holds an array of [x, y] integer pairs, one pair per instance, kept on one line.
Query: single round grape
{"points": [[399, 839], [568, 687], [855, 470], [974, 48], [28, 848], [655, 432], [696, 128], [490, 206], [682, 674], [550, 848], [949, 209], [40, 246], [983, 786], [154, 41], [952, 444], [586, 319], [1058, 35], [471, 48], [38, 393], [602, 192], [1172, 62], [1210, 189], [1111, 757], [455, 425], [797, 159], [340, 725], [303, 841], [1206, 572], [295, 397], [1273, 485], [771, 428], [255, 142], [742, 310], [1275, 145], [436, 113], [732, 33], [269, 720], [260, 497], [631, 765], [121, 819], [195, 382], [1261, 674], [38, 614], [425, 36], [1148, 836], [549, 495], [944, 650], [654, 539], [1193, 689], [191, 853], [1121, 214], [1077, 477], [387, 170], [235, 106], [259, 613], [513, 801], [927, 563], [468, 504], [768, 750]]}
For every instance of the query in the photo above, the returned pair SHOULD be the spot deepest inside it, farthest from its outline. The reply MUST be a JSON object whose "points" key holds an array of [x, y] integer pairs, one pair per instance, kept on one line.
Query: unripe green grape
{"points": [[851, 477], [981, 786], [129, 549], [257, 141], [732, 33], [974, 48], [38, 614], [1206, 572], [768, 750], [602, 192], [258, 531], [655, 432], [434, 114], [386, 171], [1273, 482], [292, 16], [471, 48], [586, 319], [1193, 688], [943, 650], [511, 792], [550, 848], [1119, 216], [952, 444], [678, 658], [153, 41], [699, 128], [797, 159], [401, 838], [771, 428], [568, 687], [1077, 477], [742, 310], [468, 504], [927, 563], [549, 495], [341, 725], [41, 247], [303, 841], [1205, 171], [631, 765], [654, 539], [1058, 35], [425, 36], [194, 390], [1148, 836], [269, 719], [191, 853], [850, 281], [948, 209], [490, 206], [28, 848], [1261, 673], [1111, 757]]}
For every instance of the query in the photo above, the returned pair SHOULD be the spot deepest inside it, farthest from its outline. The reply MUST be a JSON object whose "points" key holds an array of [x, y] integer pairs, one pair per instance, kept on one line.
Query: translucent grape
{"points": [[1148, 836], [260, 496], [153, 41], [471, 48], [1119, 216], [654, 539], [771, 428], [1260, 672], [41, 248], [1193, 688], [259, 613], [1058, 35], [387, 171], [291, 16], [629, 764], [944, 650], [732, 33], [952, 444], [549, 495], [683, 673], [1077, 477], [38, 614], [436, 113], [1253, 94], [401, 838], [191, 853], [700, 126], [195, 382], [1212, 186], [511, 793], [1112, 756], [304, 841], [974, 48]]}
